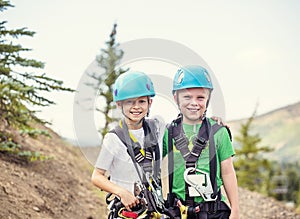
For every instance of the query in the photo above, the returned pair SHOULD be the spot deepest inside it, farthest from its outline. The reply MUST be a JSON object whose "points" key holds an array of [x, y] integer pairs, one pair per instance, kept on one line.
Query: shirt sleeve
{"points": [[224, 145], [107, 154]]}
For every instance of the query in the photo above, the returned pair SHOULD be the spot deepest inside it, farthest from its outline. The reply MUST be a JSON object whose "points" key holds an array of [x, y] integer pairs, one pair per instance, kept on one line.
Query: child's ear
{"points": [[119, 104], [175, 97], [150, 102]]}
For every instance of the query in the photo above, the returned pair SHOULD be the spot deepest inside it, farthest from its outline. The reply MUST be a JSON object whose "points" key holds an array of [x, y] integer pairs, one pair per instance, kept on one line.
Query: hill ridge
{"points": [[278, 129], [287, 107]]}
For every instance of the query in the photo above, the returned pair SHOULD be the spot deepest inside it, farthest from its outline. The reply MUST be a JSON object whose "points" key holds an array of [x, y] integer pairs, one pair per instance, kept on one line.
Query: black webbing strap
{"points": [[152, 141], [170, 162], [213, 159], [130, 150], [199, 143], [181, 142]]}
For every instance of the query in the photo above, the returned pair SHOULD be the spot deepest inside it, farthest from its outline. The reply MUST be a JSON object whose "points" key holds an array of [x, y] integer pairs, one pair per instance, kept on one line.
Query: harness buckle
{"points": [[200, 184], [199, 142], [191, 165]]}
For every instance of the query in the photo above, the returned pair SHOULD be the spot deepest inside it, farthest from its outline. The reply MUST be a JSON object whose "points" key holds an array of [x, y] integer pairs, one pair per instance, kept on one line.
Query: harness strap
{"points": [[213, 159], [200, 210], [171, 195], [152, 137], [143, 157]]}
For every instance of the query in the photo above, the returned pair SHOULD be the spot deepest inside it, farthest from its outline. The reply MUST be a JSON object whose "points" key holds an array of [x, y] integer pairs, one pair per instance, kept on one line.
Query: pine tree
{"points": [[108, 59], [251, 168], [21, 87]]}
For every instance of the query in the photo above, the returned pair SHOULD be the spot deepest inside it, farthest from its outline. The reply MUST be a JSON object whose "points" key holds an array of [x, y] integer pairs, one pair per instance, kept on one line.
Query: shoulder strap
{"points": [[213, 159], [118, 132], [199, 142], [212, 156], [170, 157], [153, 142]]}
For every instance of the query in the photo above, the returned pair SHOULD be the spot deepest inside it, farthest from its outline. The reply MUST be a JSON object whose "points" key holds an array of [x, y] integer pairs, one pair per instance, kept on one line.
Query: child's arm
{"points": [[230, 186], [101, 181]]}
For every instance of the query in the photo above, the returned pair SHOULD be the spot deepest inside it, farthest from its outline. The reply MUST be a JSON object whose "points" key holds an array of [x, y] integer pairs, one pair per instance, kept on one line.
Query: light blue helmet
{"points": [[132, 84], [192, 76]]}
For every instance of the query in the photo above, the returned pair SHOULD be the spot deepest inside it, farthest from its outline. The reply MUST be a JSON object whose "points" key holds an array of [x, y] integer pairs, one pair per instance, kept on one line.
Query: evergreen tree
{"points": [[278, 187], [21, 87], [292, 174], [108, 59], [251, 168], [286, 182]]}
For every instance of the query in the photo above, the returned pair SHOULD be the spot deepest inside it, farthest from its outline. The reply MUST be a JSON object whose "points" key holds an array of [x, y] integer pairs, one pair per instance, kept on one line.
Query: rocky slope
{"points": [[58, 187]]}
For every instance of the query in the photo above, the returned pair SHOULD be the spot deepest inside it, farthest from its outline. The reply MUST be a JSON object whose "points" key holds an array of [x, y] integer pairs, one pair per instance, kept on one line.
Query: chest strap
{"points": [[199, 142]]}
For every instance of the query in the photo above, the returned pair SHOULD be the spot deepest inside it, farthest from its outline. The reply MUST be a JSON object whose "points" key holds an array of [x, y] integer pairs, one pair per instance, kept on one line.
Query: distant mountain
{"points": [[278, 129]]}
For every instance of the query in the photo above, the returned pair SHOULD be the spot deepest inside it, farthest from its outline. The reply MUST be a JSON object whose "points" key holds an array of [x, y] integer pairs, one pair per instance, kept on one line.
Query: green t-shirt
{"points": [[224, 150]]}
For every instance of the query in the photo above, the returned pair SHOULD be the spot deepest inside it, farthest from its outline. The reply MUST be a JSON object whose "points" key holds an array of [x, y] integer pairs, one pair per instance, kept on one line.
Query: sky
{"points": [[252, 47]]}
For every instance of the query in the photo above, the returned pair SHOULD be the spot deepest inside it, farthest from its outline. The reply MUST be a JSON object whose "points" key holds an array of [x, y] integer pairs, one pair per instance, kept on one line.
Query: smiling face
{"points": [[192, 103], [134, 110]]}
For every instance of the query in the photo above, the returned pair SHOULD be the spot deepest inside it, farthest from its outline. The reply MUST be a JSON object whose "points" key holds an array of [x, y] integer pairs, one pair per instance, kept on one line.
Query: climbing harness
{"points": [[197, 182], [190, 157], [147, 189], [113, 205]]}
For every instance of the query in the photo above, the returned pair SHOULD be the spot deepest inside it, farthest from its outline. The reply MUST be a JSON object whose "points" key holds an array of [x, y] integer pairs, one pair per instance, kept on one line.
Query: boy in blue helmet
{"points": [[130, 153], [199, 153]]}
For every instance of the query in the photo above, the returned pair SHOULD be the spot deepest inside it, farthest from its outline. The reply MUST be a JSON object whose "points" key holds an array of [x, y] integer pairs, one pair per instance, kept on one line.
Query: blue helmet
{"points": [[192, 76], [132, 84]]}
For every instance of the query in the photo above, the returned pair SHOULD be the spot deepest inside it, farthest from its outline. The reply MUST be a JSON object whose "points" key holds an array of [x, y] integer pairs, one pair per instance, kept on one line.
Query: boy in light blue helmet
{"points": [[199, 153], [131, 152]]}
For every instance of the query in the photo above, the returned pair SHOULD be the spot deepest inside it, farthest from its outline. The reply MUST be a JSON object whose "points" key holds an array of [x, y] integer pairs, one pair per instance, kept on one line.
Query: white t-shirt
{"points": [[115, 159]]}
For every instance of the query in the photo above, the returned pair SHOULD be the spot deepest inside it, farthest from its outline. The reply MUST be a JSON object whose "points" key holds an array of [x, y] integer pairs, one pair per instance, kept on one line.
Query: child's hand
{"points": [[128, 199], [219, 121]]}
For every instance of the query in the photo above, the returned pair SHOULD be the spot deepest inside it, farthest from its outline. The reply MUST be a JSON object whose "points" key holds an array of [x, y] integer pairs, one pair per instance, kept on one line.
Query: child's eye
{"points": [[128, 102], [142, 101]]}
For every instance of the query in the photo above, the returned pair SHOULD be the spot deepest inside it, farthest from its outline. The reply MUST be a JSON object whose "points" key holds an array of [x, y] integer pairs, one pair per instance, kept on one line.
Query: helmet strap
{"points": [[203, 116], [177, 100], [148, 107], [209, 95]]}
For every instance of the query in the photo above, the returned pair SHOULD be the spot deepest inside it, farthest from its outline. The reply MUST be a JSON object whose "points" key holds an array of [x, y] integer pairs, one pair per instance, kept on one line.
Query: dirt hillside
{"points": [[60, 187]]}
